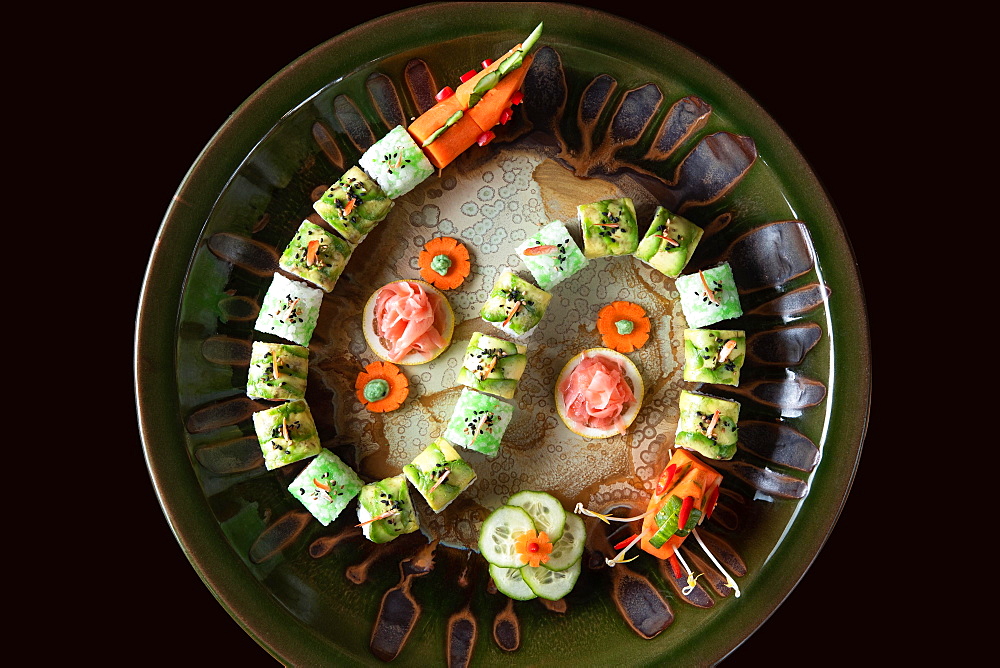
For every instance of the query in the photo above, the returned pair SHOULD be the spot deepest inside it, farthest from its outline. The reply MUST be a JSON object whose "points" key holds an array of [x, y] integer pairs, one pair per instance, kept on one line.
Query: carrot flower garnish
{"points": [[444, 263], [533, 548], [624, 326], [382, 387]]}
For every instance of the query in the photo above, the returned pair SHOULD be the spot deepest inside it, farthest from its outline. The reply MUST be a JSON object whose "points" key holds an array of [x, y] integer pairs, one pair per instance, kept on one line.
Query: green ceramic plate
{"points": [[642, 116]]}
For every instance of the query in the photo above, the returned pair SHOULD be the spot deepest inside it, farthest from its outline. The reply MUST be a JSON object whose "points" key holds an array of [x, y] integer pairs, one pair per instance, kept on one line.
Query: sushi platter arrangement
{"points": [[440, 429]]}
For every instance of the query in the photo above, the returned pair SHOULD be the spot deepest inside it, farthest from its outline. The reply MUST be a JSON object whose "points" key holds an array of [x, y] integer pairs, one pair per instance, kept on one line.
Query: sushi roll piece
{"points": [[326, 486], [353, 205], [714, 355], [385, 510], [609, 227], [493, 365], [277, 371], [396, 163], [316, 256], [286, 433], [515, 305], [479, 422], [551, 255], [290, 309], [685, 481], [669, 243], [707, 425], [709, 296], [440, 474]]}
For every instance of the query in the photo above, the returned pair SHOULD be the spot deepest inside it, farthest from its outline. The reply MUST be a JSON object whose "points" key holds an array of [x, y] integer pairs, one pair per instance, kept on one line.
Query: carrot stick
{"points": [[432, 119], [451, 143], [487, 112], [463, 92]]}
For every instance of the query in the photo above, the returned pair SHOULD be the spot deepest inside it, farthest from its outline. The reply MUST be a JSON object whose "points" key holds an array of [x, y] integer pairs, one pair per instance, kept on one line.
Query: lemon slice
{"points": [[379, 345], [631, 410]]}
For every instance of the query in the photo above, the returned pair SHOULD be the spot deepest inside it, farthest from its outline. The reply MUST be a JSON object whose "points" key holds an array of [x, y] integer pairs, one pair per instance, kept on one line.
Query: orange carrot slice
{"points": [[621, 310], [454, 251], [399, 386]]}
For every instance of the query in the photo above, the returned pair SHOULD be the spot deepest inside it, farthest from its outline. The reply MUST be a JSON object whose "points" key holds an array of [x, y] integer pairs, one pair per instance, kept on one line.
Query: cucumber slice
{"points": [[496, 538], [510, 583], [567, 550], [544, 509], [551, 585]]}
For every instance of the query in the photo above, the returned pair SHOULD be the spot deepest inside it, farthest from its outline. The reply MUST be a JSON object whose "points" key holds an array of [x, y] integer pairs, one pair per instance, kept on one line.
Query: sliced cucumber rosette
{"points": [[548, 584], [510, 582], [497, 538], [568, 550], [443, 324], [545, 510]]}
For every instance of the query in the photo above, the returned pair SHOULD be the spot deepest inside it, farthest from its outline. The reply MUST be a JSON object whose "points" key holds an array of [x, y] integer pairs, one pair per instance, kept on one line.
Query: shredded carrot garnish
{"points": [[275, 365], [351, 201], [539, 250], [439, 481], [388, 513], [510, 315], [668, 239], [322, 485], [479, 427], [290, 308], [712, 424], [487, 368], [533, 548], [454, 251], [708, 290], [284, 428], [606, 225], [729, 347], [311, 249], [399, 386], [623, 343]]}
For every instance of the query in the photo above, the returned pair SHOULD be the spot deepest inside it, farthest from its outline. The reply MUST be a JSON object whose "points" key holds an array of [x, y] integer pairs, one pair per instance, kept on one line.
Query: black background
{"points": [[826, 78]]}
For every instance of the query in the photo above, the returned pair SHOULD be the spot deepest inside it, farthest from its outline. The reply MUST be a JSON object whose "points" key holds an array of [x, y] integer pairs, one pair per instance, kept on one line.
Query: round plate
{"points": [[579, 37]]}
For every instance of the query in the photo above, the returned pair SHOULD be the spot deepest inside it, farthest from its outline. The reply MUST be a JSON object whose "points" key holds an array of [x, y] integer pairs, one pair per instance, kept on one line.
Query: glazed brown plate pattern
{"points": [[655, 124]]}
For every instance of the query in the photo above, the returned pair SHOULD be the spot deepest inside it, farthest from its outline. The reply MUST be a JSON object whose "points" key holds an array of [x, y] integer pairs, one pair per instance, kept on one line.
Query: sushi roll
{"points": [[709, 296], [515, 305], [396, 163], [290, 310], [493, 365], [551, 255], [609, 227], [385, 510], [326, 486], [707, 425], [316, 256], [277, 371], [440, 474], [479, 422], [353, 205], [714, 355], [669, 243], [286, 433]]}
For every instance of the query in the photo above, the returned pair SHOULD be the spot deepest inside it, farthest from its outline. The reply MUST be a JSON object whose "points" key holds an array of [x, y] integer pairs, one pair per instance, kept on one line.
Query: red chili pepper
{"points": [[621, 545], [516, 97], [665, 479], [486, 63], [682, 517], [506, 115], [713, 498], [444, 93], [468, 75], [485, 138], [675, 566]]}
